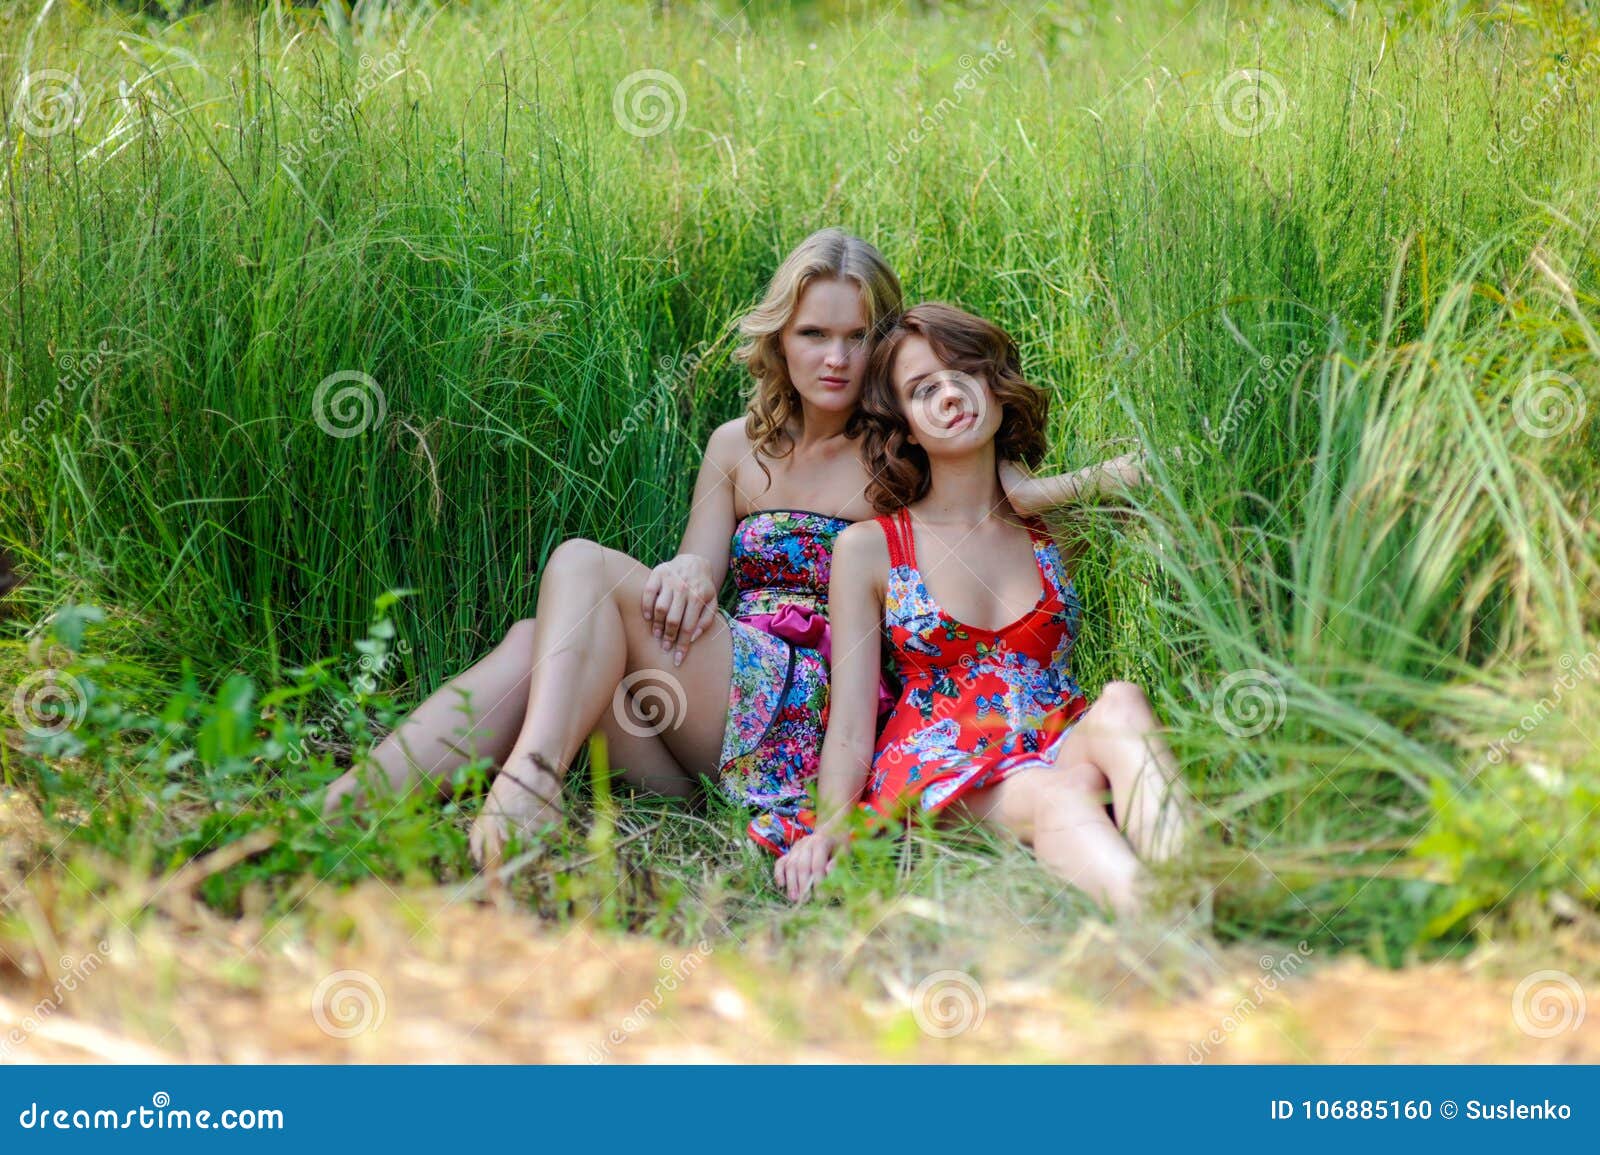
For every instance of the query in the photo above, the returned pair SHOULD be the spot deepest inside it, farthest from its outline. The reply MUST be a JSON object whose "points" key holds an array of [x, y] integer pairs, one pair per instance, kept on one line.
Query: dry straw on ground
{"points": [[372, 975]]}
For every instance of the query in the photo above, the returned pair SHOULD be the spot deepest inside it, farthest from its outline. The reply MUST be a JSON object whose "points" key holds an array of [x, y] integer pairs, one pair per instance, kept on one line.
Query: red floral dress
{"points": [[976, 705]]}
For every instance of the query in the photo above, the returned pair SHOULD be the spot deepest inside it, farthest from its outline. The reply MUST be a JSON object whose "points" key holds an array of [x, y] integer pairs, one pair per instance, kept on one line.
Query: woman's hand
{"points": [[805, 864], [679, 602]]}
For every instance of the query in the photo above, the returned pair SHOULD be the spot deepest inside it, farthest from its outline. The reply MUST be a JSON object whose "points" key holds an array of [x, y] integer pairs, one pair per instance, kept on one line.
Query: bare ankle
{"points": [[537, 775]]}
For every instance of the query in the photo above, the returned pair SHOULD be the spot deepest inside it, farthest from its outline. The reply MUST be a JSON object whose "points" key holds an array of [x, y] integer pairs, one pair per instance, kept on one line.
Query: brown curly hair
{"points": [[826, 253], [898, 470]]}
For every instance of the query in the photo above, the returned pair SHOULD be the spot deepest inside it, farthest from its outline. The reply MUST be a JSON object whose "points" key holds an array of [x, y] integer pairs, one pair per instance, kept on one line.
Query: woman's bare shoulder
{"points": [[728, 444], [862, 548]]}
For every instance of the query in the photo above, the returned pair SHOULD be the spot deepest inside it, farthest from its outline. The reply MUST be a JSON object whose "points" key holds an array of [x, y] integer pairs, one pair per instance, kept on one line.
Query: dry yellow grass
{"points": [[423, 976]]}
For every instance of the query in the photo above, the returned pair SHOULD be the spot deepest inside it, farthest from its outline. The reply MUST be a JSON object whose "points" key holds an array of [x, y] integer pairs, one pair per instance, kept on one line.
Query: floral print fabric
{"points": [[781, 563], [977, 704]]}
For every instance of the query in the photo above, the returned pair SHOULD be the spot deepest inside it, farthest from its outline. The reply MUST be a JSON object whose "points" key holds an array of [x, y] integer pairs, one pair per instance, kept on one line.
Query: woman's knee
{"points": [[578, 556], [1058, 803], [1123, 707], [595, 569], [1027, 803], [520, 636]]}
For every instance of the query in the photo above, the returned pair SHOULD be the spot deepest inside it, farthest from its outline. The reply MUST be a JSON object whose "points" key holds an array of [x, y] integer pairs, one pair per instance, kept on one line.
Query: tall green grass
{"points": [[1319, 283]]}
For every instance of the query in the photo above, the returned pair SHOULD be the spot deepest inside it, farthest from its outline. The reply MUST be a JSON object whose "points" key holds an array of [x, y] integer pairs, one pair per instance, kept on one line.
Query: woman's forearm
{"points": [[1123, 472], [841, 778]]}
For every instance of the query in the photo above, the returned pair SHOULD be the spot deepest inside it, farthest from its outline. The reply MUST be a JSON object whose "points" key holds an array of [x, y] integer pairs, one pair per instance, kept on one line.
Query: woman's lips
{"points": [[835, 382]]}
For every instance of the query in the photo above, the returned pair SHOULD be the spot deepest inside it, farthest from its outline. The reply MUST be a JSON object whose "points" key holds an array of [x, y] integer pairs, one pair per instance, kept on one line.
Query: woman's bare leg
{"points": [[440, 735], [591, 648], [1058, 811], [1121, 735]]}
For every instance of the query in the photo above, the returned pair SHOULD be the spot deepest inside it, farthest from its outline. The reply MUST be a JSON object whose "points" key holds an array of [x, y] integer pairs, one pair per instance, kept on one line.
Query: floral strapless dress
{"points": [[781, 562]]}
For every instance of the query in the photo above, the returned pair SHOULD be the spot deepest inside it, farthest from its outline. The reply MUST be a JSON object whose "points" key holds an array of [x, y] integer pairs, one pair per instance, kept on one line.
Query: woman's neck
{"points": [[965, 491], [817, 425]]}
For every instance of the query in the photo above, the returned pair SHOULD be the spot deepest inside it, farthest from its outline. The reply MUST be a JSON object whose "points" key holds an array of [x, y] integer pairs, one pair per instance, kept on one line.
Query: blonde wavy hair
{"points": [[827, 253]]}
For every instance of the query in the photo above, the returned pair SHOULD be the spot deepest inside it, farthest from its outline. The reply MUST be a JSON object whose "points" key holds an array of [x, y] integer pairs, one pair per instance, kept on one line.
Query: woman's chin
{"points": [[956, 443], [831, 400]]}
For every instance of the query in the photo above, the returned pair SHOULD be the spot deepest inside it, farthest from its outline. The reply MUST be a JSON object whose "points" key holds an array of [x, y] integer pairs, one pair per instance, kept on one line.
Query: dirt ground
{"points": [[372, 975]]}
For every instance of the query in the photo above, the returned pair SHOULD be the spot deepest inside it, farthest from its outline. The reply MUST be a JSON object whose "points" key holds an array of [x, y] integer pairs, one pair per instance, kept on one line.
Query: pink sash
{"points": [[805, 627]]}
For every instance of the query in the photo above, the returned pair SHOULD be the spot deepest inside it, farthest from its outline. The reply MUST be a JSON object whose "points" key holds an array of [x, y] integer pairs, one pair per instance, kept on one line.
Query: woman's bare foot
{"points": [[350, 784], [525, 798]]}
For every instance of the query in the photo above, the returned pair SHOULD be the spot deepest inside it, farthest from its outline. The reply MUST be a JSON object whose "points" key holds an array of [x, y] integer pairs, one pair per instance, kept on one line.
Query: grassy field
{"points": [[322, 331]]}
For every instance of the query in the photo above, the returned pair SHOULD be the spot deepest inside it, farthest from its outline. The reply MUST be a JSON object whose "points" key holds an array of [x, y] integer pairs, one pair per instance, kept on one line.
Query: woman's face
{"points": [[950, 413], [825, 345]]}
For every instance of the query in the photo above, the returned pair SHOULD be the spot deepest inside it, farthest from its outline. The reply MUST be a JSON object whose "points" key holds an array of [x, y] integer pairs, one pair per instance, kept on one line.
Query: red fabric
{"points": [[978, 704]]}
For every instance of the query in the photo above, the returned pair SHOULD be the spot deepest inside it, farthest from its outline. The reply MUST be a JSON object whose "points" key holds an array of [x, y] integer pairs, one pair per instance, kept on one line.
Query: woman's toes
{"points": [[485, 840]]}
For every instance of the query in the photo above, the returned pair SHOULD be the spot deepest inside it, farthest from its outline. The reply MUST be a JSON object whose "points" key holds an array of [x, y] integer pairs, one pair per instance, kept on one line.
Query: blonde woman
{"points": [[744, 694]]}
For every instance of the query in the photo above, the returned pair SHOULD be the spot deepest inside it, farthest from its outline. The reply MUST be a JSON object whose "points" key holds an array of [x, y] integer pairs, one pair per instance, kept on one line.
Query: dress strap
{"points": [[891, 535], [1051, 565], [904, 514]]}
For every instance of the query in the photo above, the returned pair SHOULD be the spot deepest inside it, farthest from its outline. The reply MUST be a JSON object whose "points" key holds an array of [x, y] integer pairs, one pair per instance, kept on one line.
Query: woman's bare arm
{"points": [[1033, 495], [855, 614], [680, 597]]}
